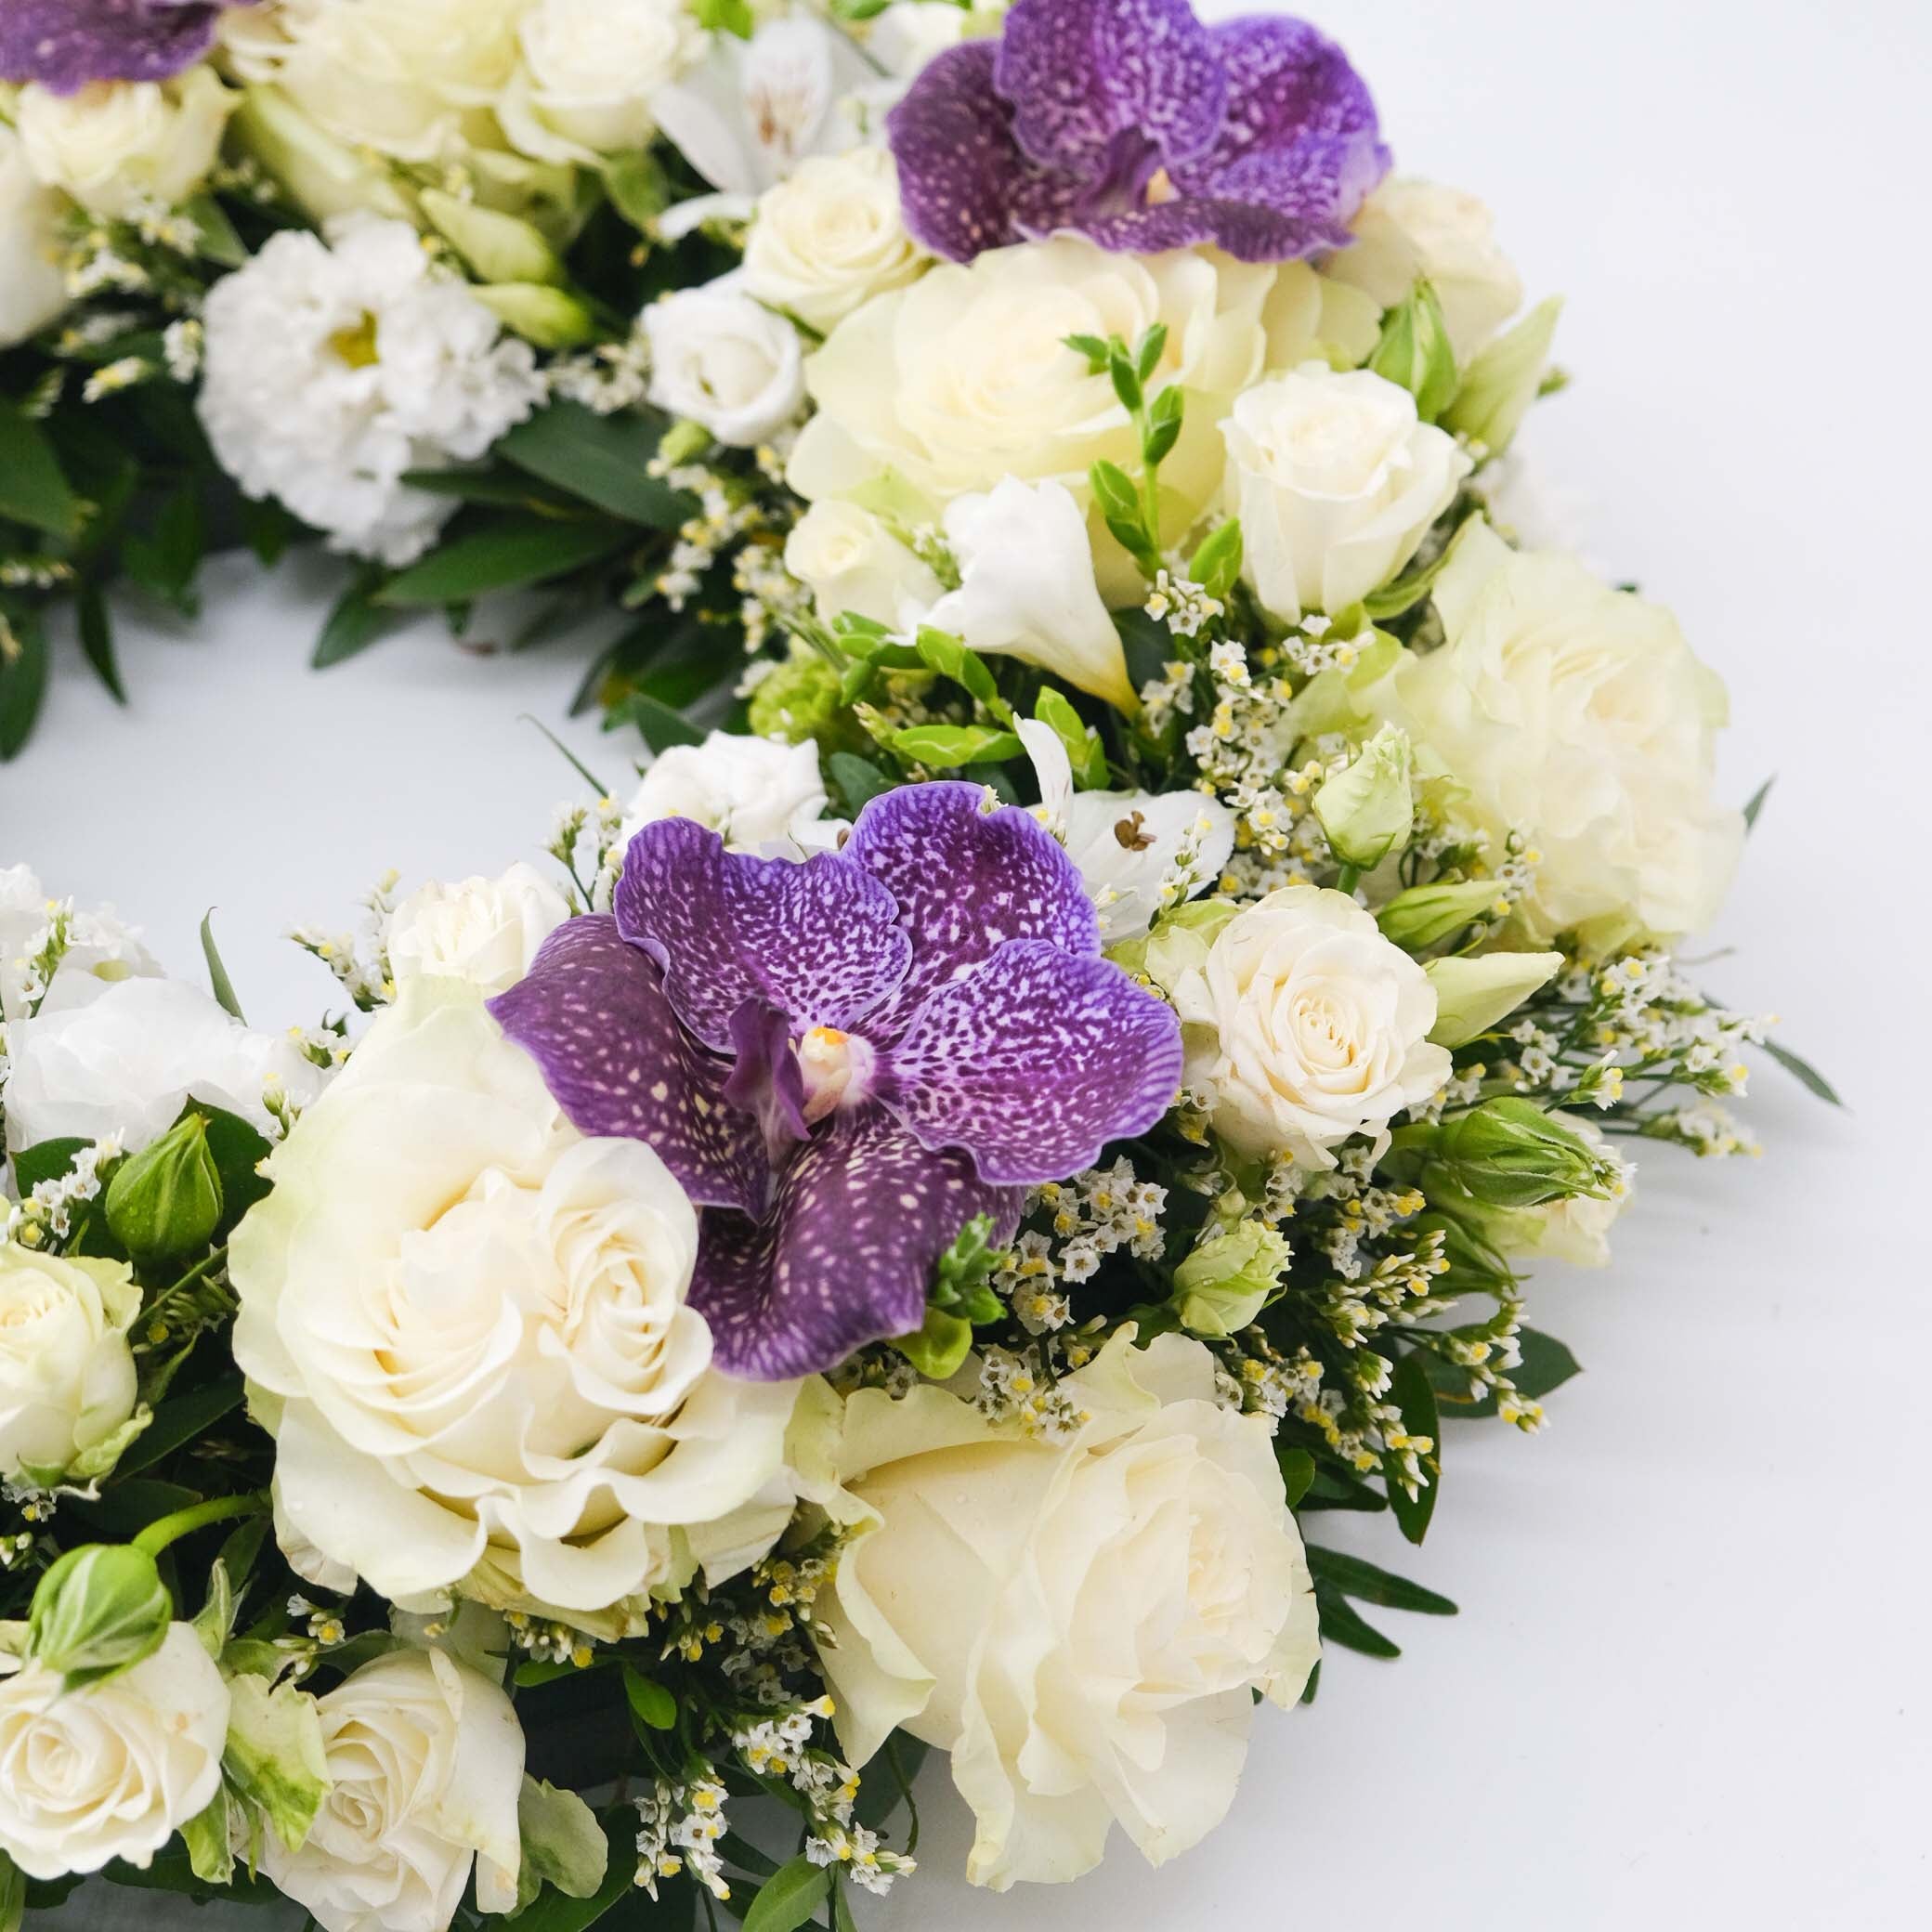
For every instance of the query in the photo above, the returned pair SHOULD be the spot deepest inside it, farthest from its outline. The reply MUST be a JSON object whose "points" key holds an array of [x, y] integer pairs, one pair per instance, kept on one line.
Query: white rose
{"points": [[111, 1770], [486, 930], [1308, 1026], [1578, 717], [470, 1325], [757, 794], [425, 1762], [1027, 589], [850, 560], [33, 289], [67, 1375], [1311, 317], [831, 236], [99, 949], [114, 144], [129, 1059], [726, 362], [1409, 229], [1081, 1625], [965, 378], [1336, 483]]}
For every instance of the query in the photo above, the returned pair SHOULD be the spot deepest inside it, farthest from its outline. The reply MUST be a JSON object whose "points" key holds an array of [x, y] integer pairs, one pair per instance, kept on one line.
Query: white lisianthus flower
{"points": [[1308, 1028], [100, 950], [850, 560], [330, 372], [33, 289], [1575, 1229], [426, 1761], [1081, 1625], [67, 1375], [830, 236], [1027, 590], [589, 73], [1336, 483], [725, 363], [1409, 229], [469, 1328], [116, 143], [1578, 717], [485, 931], [757, 794], [128, 1060], [112, 1769]]}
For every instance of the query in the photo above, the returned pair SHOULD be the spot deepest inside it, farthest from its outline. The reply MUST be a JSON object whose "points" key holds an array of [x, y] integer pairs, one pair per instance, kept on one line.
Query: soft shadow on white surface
{"points": [[1689, 1685]]}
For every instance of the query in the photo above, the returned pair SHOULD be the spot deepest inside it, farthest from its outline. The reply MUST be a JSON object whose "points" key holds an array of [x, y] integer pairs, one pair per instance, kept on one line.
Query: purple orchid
{"points": [[1132, 123], [66, 43], [844, 1061]]}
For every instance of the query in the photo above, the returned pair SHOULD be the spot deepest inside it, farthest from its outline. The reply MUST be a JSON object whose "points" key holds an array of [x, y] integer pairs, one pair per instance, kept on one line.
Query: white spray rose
{"points": [[67, 1375], [849, 560], [757, 794], [1308, 1026], [726, 362], [425, 1762], [1336, 483], [110, 1770], [1409, 229], [470, 1325], [33, 289], [831, 236], [485, 931], [116, 143], [100, 951], [1081, 1625], [131, 1058]]}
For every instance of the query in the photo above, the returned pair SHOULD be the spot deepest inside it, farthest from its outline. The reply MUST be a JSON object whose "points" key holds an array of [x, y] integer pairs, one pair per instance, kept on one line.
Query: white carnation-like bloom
{"points": [[114, 144], [33, 289], [333, 369], [759, 795], [100, 950], [726, 362], [850, 560], [67, 1375], [469, 1328], [485, 931], [1081, 1625]]}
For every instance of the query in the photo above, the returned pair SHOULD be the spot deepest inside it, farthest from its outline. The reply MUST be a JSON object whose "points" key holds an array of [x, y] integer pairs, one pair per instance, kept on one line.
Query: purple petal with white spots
{"points": [[952, 141], [816, 940], [845, 1258], [966, 881], [65, 44], [1033, 1063], [594, 1014]]}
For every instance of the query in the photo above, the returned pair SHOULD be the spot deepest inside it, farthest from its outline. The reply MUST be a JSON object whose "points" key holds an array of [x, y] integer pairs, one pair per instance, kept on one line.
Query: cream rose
{"points": [[1308, 1026], [726, 362], [1408, 228], [425, 1762], [849, 560], [830, 236], [1081, 1625], [486, 930], [67, 1377], [114, 144], [33, 289], [111, 1771], [757, 794], [1336, 483], [1578, 717], [468, 1330]]}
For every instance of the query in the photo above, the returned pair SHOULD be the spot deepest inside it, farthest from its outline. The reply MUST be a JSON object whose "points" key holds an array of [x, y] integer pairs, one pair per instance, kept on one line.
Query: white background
{"points": [[1689, 1685]]}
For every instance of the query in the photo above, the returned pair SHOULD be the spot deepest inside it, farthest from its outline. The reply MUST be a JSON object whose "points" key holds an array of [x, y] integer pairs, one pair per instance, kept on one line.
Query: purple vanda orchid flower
{"points": [[64, 45], [844, 1061], [1132, 124]]}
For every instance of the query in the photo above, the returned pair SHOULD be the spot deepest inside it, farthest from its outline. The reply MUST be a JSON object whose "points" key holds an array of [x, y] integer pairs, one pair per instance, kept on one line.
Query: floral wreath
{"points": [[1154, 896]]}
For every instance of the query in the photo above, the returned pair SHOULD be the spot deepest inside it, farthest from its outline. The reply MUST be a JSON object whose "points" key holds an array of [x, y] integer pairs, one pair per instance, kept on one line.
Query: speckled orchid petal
{"points": [[64, 45], [846, 1253], [817, 941], [952, 141], [1033, 1063], [966, 880], [594, 1014]]}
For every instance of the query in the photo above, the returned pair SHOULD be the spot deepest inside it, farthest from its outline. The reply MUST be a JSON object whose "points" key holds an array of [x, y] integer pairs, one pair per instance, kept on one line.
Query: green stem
{"points": [[1350, 876], [183, 1522]]}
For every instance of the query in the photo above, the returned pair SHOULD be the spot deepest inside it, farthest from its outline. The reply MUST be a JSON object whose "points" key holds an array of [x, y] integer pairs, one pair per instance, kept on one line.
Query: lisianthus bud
{"points": [[1229, 1278], [1473, 993], [497, 247], [97, 1611], [167, 1199], [1416, 920], [544, 317], [1368, 808], [1504, 379], [1415, 352], [1508, 1152]]}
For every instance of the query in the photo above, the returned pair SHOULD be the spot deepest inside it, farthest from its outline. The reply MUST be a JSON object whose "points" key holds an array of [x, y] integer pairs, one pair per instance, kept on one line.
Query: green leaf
{"points": [[1163, 427], [662, 726], [1092, 347], [356, 622], [1757, 804], [951, 658], [98, 637], [604, 460], [1335, 1489], [32, 489], [23, 676], [887, 1780], [506, 556], [938, 1347], [218, 981], [238, 1152], [1415, 1395], [1216, 564], [563, 1843], [1356, 1577], [789, 1898], [858, 779], [1340, 1625], [1148, 353], [651, 1704], [726, 16], [943, 747], [47, 1160], [165, 559], [1804, 1072], [207, 1837], [1084, 750], [1546, 1364], [219, 244], [638, 187], [1392, 599], [1126, 383], [184, 1419], [557, 1911], [1297, 1470], [275, 1754]]}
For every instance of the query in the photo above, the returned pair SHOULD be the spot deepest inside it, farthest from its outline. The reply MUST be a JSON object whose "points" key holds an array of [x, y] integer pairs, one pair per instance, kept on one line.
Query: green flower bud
{"points": [[1415, 352], [1472, 994], [97, 1611], [167, 1199], [1508, 1152], [1504, 380], [547, 318], [938, 1347], [497, 247], [1417, 918], [1230, 1278], [1368, 807]]}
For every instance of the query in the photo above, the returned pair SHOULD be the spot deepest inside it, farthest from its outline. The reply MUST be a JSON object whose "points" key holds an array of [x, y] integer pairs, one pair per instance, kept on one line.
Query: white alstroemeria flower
{"points": [[1027, 589], [486, 930], [759, 795], [725, 361], [1140, 852]]}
